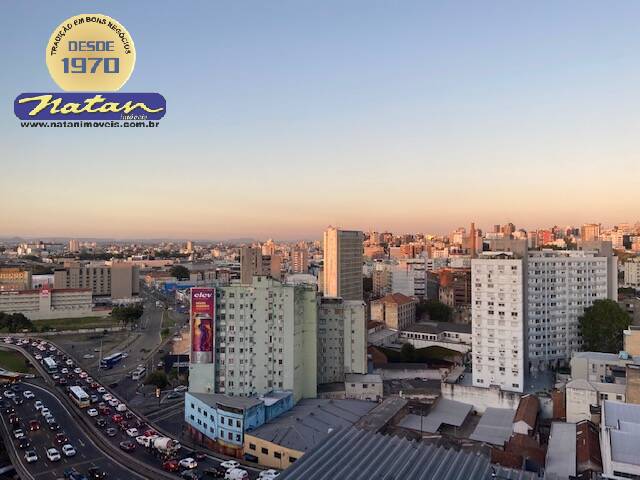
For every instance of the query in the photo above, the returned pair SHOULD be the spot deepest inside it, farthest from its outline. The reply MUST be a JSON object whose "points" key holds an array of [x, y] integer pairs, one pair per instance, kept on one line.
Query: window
{"points": [[265, 451], [252, 446], [277, 455], [292, 459]]}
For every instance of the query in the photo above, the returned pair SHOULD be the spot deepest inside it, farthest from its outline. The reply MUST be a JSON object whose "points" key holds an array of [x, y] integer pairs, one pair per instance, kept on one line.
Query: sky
{"points": [[285, 117]]}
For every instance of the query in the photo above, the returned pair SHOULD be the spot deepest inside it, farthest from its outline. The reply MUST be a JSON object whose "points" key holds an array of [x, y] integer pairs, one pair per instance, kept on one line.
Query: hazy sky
{"points": [[286, 116]]}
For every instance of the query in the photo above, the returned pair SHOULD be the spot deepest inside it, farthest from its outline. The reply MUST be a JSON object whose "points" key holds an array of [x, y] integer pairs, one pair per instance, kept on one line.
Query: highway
{"points": [[143, 461]]}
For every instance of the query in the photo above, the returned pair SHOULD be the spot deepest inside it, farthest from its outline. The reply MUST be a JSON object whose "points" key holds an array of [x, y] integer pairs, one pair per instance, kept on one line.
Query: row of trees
{"points": [[128, 314], [437, 311], [15, 322]]}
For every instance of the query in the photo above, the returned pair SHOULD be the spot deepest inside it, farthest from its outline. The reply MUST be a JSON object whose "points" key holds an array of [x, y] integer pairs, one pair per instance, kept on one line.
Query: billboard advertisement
{"points": [[203, 313]]}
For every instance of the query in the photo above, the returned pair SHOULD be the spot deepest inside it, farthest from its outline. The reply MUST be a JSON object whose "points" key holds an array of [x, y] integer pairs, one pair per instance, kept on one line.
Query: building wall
{"points": [[343, 264], [633, 384], [269, 454], [578, 403], [480, 397], [498, 323], [120, 280], [364, 390], [14, 278], [48, 304], [632, 272]]}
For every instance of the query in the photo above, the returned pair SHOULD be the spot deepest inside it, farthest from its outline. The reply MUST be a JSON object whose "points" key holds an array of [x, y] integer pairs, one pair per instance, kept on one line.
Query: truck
{"points": [[164, 445]]}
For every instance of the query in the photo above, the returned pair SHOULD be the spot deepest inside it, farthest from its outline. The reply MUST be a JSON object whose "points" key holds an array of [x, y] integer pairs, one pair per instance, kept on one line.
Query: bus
{"points": [[138, 373], [111, 360], [79, 396], [50, 365]]}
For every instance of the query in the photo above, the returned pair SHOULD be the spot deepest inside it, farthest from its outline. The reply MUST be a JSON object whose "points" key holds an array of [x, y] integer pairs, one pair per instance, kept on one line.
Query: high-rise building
{"points": [[189, 246], [342, 339], [250, 264], [343, 264], [632, 272], [14, 278], [74, 246], [300, 260], [265, 340], [590, 231]]}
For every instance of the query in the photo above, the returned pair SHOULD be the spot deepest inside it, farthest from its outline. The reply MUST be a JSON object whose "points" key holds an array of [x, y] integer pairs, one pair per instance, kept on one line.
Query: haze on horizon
{"points": [[284, 118]]}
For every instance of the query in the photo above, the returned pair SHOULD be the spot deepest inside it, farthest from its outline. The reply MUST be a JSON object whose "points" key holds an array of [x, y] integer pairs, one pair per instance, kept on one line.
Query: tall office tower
{"points": [[269, 247], [632, 272], [590, 231], [74, 246], [498, 321], [189, 246], [342, 339], [508, 229], [250, 264], [343, 264], [272, 266], [300, 260], [265, 339]]}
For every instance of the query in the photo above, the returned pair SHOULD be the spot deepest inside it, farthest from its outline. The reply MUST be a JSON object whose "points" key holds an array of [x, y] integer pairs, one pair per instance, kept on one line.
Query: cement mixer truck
{"points": [[163, 445]]}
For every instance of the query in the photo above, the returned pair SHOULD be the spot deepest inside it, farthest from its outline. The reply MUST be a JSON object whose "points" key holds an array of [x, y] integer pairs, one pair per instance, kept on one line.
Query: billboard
{"points": [[203, 313]]}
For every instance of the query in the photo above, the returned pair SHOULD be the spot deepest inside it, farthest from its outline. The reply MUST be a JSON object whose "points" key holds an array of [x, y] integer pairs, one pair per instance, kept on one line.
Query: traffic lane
{"points": [[88, 454]]}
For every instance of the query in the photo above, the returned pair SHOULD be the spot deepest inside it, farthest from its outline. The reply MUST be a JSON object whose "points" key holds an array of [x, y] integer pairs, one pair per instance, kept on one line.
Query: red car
{"points": [[171, 466], [104, 411], [34, 425], [150, 433], [61, 438], [117, 418]]}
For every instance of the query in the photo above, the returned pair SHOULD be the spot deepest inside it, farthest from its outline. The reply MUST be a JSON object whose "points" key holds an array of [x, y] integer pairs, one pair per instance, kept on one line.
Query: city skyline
{"points": [[482, 112]]}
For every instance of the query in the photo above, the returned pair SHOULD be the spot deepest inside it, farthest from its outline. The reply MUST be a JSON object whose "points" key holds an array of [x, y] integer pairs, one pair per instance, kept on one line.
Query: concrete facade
{"points": [[343, 264]]}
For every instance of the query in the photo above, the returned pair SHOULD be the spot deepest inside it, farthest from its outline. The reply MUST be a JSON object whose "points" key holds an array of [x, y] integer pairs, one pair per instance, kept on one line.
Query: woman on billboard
{"points": [[202, 339]]}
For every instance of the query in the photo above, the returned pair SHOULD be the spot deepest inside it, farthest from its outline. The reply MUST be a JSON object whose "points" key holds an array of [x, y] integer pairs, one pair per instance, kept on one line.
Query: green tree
{"points": [[437, 311], [15, 322], [180, 272], [157, 378], [128, 314], [601, 326], [408, 352]]}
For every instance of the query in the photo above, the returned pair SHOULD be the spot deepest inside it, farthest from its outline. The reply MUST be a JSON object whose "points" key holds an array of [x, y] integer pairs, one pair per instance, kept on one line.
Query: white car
{"points": [[45, 412], [132, 432], [38, 405], [64, 371], [68, 450], [113, 402], [9, 394], [28, 394], [30, 456], [87, 356], [18, 433], [89, 379], [229, 464], [77, 370], [107, 396], [34, 344], [121, 407], [83, 375], [53, 454], [38, 357], [188, 463], [269, 474], [101, 390], [92, 412], [69, 362], [236, 474], [180, 388]]}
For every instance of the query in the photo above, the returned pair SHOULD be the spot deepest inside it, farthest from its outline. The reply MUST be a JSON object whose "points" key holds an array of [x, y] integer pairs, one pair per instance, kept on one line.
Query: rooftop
{"points": [[397, 298], [527, 410], [359, 378], [495, 427], [310, 421], [623, 420], [561, 453], [445, 411], [382, 414], [355, 454], [213, 399], [439, 327]]}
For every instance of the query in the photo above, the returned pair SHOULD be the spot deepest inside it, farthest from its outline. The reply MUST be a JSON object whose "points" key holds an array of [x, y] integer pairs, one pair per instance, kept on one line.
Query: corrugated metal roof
{"points": [[445, 411], [561, 454], [355, 454], [495, 426]]}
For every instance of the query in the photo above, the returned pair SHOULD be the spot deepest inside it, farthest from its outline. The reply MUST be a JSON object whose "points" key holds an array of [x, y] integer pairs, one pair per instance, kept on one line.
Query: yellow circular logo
{"points": [[90, 52]]}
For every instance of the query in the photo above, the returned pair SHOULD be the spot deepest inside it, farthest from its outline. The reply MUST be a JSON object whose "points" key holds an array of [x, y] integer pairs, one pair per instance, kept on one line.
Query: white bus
{"points": [[79, 396], [138, 373], [50, 365]]}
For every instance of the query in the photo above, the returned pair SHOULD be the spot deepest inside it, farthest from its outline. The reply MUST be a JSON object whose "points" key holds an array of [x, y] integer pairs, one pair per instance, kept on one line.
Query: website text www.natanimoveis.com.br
{"points": [[90, 124]]}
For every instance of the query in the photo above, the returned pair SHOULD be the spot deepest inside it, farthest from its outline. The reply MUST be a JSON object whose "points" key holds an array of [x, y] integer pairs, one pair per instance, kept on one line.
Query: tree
{"points": [[128, 314], [180, 272], [437, 311], [157, 378], [601, 326], [15, 322], [408, 352]]}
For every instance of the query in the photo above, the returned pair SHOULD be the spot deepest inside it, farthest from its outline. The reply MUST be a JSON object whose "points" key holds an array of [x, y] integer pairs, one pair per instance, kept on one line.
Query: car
{"points": [[17, 400], [14, 419], [38, 405], [89, 380], [94, 385], [64, 371], [173, 395], [188, 463], [200, 456], [92, 412], [18, 433], [93, 398], [101, 423], [61, 438], [16, 387], [268, 474], [111, 432], [8, 409], [52, 348], [127, 446], [171, 466], [121, 407], [9, 394], [28, 394], [83, 375], [88, 356], [230, 464], [236, 474], [113, 402], [53, 454], [101, 389], [132, 432], [49, 419], [45, 411], [180, 388], [34, 425], [117, 418], [53, 426], [69, 363], [95, 473], [106, 411], [38, 356], [73, 474], [189, 475], [214, 472], [150, 433], [30, 456], [107, 396], [55, 377], [23, 443], [68, 450], [77, 370], [62, 381]]}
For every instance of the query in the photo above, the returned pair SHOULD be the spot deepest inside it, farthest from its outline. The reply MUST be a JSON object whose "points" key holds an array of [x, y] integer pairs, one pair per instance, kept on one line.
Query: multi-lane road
{"points": [[87, 434]]}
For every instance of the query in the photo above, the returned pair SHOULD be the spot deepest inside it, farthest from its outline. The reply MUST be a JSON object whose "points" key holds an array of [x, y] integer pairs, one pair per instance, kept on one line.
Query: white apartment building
{"points": [[407, 276], [265, 340], [48, 303], [343, 264], [342, 339], [561, 284], [498, 321], [632, 272]]}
